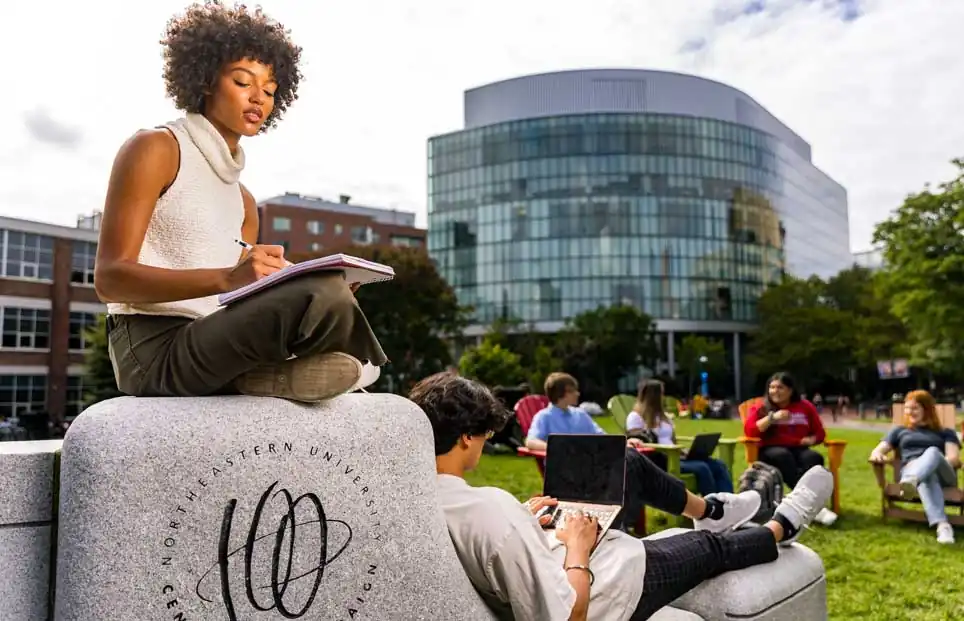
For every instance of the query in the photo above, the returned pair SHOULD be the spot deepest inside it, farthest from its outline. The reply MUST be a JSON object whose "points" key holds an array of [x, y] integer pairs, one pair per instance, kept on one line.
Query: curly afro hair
{"points": [[208, 35]]}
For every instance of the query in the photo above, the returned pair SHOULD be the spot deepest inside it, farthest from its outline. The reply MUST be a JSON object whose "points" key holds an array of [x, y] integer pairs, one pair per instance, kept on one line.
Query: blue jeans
{"points": [[711, 475], [933, 473]]}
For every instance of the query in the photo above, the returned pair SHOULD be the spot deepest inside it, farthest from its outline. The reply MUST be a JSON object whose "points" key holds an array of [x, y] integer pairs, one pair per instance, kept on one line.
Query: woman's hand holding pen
{"points": [[260, 261]]}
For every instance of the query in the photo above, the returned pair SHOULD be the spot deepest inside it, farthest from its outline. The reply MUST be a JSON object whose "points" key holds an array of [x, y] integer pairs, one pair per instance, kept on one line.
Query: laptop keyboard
{"points": [[601, 515]]}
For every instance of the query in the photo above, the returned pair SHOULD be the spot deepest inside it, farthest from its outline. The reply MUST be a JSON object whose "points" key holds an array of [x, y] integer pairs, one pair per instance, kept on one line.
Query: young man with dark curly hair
{"points": [[527, 574], [174, 211]]}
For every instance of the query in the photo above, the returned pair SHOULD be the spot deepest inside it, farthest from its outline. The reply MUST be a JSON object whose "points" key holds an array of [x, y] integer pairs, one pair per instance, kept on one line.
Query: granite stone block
{"points": [[255, 508], [25, 573], [792, 588], [26, 481]]}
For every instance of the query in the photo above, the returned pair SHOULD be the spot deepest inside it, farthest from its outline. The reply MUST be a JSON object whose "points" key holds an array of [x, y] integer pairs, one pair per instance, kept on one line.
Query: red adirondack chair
{"points": [[525, 410]]}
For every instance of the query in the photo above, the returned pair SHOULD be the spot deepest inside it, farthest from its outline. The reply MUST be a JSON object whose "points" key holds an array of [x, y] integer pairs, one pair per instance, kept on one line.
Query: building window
{"points": [[359, 234], [316, 227], [25, 328], [27, 255], [79, 322], [20, 394], [339, 229], [409, 242], [284, 244], [315, 246], [82, 263], [281, 224], [75, 396]]}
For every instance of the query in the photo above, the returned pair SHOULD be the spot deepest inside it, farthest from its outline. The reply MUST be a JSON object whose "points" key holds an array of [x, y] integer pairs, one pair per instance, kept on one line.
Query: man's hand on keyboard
{"points": [[578, 531], [537, 504]]}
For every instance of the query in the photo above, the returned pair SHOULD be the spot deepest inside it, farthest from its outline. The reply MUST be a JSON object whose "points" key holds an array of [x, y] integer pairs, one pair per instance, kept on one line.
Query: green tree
{"points": [[99, 382], [697, 353], [536, 353], [603, 345], [492, 364], [923, 277], [412, 315], [802, 331], [878, 333]]}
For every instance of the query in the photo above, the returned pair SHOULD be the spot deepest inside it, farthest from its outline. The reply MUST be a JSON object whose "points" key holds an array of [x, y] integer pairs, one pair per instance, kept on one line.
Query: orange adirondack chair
{"points": [[835, 450], [890, 492]]}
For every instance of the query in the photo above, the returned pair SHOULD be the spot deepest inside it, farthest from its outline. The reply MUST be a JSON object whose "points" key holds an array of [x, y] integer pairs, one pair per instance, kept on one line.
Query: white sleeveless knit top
{"points": [[197, 220]]}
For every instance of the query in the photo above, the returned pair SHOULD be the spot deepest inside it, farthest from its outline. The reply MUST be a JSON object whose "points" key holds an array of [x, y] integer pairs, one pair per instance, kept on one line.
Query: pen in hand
{"points": [[249, 247]]}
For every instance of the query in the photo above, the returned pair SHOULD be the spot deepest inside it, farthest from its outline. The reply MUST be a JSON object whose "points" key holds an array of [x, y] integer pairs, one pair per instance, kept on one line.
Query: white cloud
{"points": [[877, 97]]}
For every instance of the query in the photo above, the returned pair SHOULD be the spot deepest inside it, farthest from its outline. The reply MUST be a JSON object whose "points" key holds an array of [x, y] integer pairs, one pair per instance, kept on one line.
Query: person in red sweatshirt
{"points": [[787, 425]]}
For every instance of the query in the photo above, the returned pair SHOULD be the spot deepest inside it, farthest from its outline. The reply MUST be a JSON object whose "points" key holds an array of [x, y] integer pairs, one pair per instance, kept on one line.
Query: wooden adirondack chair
{"points": [[890, 492], [835, 451], [619, 408], [621, 405]]}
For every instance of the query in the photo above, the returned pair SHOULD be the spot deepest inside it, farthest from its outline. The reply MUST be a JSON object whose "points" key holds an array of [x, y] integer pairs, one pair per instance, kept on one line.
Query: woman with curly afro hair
{"points": [[174, 213]]}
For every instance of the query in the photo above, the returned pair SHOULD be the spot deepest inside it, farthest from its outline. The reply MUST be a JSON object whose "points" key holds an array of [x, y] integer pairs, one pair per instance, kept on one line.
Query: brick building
{"points": [[310, 224], [47, 300]]}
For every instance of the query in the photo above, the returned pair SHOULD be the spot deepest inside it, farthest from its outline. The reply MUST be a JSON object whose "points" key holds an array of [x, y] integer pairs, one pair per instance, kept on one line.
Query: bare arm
{"points": [[145, 165], [953, 454], [249, 229], [880, 451], [579, 535], [535, 445], [580, 582]]}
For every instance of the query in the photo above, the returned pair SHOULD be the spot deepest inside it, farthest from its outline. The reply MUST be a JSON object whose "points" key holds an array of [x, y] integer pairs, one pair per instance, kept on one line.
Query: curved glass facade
{"points": [[542, 219]]}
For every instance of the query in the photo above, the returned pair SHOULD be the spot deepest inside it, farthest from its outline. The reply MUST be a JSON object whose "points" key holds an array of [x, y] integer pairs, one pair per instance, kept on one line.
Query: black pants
{"points": [[647, 484], [677, 564], [792, 462]]}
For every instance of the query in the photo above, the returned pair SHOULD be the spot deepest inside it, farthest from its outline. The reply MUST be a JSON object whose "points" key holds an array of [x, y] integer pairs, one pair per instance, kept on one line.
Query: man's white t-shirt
{"points": [[517, 567]]}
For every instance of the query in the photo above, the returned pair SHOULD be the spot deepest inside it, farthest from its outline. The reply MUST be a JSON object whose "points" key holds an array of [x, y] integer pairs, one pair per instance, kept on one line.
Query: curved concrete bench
{"points": [[792, 588], [221, 507]]}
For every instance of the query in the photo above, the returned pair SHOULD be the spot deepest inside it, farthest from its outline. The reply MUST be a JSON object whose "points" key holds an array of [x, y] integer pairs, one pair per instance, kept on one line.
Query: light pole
{"points": [[704, 378]]}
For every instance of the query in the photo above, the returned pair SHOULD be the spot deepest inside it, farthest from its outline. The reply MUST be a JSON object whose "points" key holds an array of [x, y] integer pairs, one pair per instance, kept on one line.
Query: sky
{"points": [[875, 86]]}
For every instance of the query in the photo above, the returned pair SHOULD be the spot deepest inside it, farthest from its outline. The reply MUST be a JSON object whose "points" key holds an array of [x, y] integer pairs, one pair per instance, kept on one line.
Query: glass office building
{"points": [[678, 195]]}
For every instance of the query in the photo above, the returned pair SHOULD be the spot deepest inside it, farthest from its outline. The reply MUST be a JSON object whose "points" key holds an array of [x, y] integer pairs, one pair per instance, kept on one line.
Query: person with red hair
{"points": [[929, 458]]}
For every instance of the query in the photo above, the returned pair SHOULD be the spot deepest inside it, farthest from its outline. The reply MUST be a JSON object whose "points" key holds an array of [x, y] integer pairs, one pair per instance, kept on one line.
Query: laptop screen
{"points": [[586, 468]]}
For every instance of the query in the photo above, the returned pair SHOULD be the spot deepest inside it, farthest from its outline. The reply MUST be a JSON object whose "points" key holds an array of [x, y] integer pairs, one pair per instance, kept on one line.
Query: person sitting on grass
{"points": [[174, 214], [528, 574], [648, 417], [929, 458], [561, 416]]}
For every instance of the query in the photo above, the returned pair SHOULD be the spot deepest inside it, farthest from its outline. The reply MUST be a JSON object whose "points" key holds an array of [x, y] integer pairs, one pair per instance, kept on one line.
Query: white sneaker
{"points": [[826, 517], [945, 533], [908, 489], [369, 375], [738, 509], [802, 505]]}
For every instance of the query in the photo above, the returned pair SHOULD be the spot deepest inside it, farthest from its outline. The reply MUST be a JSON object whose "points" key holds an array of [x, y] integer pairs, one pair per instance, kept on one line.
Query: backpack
{"points": [[766, 481]]}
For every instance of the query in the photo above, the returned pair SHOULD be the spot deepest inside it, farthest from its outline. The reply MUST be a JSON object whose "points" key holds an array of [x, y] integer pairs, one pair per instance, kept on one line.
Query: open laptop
{"points": [[586, 473], [703, 446]]}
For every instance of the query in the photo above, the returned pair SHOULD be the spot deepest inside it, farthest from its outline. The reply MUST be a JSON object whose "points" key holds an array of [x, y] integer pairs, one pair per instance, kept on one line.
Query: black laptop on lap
{"points": [[586, 473]]}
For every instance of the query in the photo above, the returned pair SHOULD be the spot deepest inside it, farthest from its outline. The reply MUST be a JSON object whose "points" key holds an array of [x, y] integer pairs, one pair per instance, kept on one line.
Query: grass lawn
{"points": [[875, 570]]}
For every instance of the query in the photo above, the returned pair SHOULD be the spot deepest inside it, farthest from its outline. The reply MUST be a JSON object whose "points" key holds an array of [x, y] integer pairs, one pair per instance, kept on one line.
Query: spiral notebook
{"points": [[355, 270]]}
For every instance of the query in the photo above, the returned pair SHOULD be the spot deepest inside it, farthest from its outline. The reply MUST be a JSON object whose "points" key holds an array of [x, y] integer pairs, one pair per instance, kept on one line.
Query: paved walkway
{"points": [[856, 424]]}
